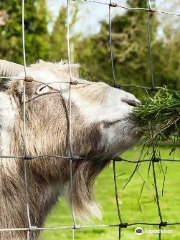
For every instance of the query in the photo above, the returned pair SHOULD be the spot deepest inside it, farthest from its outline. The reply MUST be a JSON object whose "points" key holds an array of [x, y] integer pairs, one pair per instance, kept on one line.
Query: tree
{"points": [[36, 31], [129, 44], [58, 39]]}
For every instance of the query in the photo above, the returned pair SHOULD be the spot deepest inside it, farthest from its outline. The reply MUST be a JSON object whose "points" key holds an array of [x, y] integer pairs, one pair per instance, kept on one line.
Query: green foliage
{"points": [[58, 38], [129, 45], [36, 32], [130, 51], [135, 206], [58, 41], [160, 116], [166, 56]]}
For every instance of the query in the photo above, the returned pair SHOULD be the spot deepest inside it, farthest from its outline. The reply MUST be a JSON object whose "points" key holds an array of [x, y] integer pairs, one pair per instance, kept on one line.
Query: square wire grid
{"points": [[25, 157]]}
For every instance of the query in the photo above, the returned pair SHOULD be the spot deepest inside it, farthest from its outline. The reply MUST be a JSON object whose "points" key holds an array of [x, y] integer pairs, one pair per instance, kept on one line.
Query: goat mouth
{"points": [[109, 124], [132, 119]]}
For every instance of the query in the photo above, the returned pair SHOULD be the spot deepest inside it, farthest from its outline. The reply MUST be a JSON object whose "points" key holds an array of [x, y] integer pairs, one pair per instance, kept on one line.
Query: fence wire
{"points": [[26, 158]]}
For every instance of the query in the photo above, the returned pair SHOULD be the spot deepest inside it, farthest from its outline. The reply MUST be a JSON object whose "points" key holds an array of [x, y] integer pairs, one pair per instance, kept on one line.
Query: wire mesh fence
{"points": [[70, 156]]}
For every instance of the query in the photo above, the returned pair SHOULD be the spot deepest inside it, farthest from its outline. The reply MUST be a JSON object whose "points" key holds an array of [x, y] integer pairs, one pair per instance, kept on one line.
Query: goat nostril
{"points": [[132, 103]]}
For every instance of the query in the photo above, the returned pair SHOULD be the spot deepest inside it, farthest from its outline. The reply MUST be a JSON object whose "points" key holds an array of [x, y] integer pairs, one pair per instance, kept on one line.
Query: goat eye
{"points": [[42, 89]]}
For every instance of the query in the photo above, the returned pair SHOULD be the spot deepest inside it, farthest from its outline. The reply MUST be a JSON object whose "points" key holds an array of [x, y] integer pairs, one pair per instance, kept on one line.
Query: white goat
{"points": [[102, 127]]}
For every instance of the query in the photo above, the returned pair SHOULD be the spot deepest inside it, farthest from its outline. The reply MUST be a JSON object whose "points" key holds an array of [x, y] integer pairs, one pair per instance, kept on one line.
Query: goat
{"points": [[102, 127]]}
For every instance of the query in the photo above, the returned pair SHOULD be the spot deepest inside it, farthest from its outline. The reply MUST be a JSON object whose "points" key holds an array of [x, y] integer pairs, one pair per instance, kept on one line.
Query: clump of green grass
{"points": [[160, 116]]}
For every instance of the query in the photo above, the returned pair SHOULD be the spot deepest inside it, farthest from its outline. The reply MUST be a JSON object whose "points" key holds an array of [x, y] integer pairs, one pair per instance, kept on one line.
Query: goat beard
{"points": [[80, 196]]}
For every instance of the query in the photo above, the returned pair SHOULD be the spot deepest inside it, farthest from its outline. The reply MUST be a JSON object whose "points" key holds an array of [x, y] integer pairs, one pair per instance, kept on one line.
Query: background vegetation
{"points": [[130, 49], [135, 207], [129, 41]]}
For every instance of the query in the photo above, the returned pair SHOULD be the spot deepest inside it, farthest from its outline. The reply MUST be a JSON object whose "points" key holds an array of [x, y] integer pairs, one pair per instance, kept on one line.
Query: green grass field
{"points": [[133, 207]]}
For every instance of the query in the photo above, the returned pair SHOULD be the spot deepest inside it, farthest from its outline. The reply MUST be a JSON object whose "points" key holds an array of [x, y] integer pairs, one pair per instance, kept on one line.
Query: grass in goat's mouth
{"points": [[160, 116]]}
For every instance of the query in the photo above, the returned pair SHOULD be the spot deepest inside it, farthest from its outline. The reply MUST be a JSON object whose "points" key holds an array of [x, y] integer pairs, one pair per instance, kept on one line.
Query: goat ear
{"points": [[7, 120], [8, 70]]}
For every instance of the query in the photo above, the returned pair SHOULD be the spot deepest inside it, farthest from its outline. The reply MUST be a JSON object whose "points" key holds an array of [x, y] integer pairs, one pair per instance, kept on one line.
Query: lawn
{"points": [[135, 207]]}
